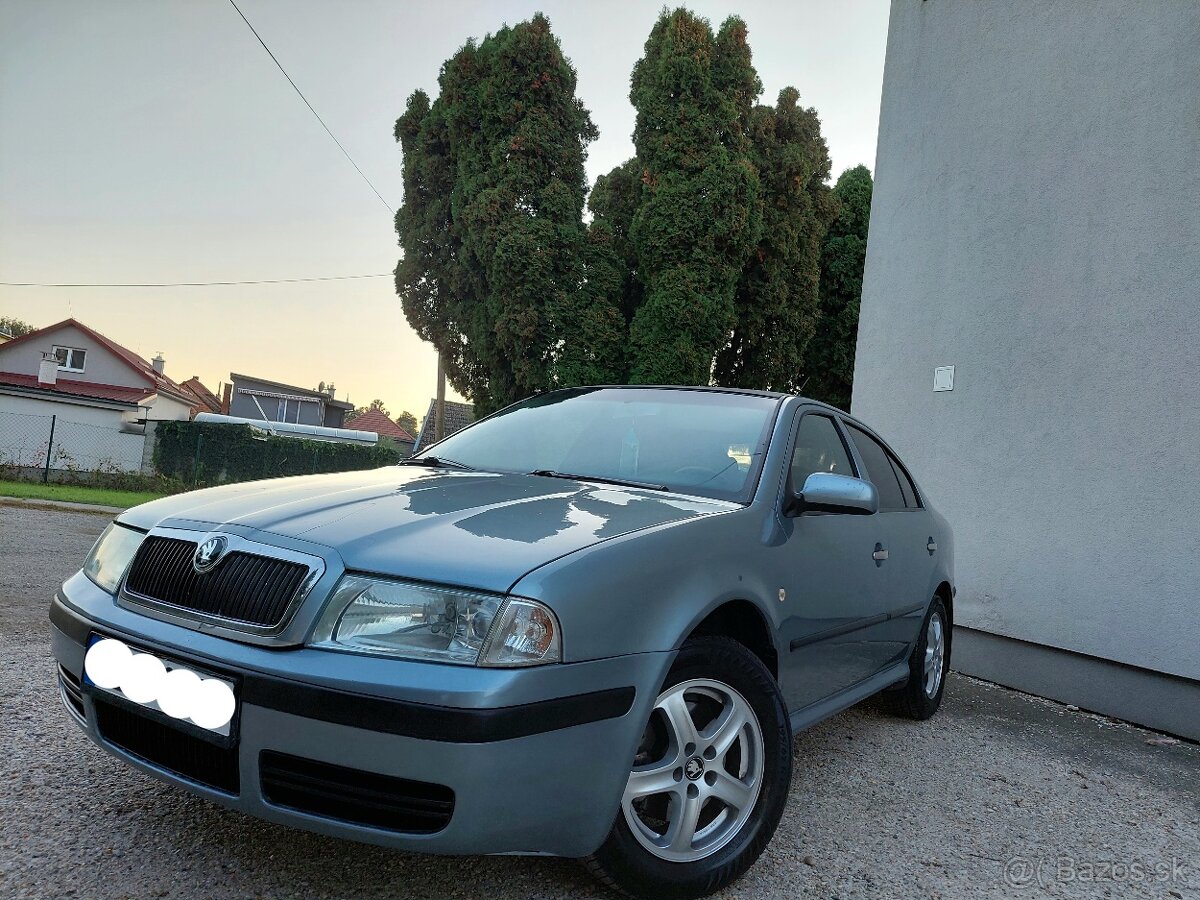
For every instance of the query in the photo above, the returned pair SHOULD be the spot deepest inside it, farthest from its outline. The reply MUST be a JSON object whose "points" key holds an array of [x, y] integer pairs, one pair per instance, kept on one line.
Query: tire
{"points": [[927, 667], [716, 682]]}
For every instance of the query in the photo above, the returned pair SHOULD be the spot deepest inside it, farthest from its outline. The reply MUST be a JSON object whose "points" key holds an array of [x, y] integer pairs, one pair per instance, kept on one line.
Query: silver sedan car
{"points": [[587, 625]]}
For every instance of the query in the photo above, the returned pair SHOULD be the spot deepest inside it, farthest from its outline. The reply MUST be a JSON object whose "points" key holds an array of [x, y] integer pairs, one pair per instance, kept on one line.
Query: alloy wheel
{"points": [[698, 771], [935, 652]]}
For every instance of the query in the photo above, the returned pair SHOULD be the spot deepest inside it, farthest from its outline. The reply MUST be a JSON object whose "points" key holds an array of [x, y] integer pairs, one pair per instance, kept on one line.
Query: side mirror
{"points": [[826, 492]]}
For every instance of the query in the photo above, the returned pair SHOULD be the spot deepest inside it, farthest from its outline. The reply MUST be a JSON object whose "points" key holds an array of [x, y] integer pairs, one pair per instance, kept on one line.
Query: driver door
{"points": [[835, 591]]}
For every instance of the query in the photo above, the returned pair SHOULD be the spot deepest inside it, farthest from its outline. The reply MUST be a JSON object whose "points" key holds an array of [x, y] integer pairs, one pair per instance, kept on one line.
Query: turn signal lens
{"points": [[526, 633]]}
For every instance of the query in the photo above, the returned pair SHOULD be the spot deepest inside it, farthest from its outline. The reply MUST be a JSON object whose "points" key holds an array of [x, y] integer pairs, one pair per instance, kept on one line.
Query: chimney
{"points": [[159, 363], [48, 370], [225, 398]]}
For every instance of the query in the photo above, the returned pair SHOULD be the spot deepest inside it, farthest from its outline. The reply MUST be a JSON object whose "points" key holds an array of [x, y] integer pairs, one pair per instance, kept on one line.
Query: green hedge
{"points": [[202, 453]]}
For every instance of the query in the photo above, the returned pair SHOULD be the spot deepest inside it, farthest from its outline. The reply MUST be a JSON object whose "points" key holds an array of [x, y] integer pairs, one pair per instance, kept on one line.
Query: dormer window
{"points": [[70, 359]]}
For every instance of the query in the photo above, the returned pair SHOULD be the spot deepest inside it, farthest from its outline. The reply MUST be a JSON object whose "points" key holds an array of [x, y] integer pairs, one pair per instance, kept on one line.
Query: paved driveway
{"points": [[998, 792]]}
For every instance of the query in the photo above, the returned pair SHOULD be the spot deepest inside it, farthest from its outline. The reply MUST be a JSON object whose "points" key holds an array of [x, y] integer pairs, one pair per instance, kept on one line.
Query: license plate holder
{"points": [[226, 736]]}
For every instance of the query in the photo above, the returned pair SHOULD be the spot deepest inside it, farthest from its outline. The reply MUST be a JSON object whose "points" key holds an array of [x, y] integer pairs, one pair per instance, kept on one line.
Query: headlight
{"points": [[414, 621], [111, 555]]}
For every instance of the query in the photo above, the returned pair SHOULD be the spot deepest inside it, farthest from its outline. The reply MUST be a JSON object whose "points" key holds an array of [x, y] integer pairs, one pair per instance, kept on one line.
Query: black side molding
{"points": [[837, 630], [853, 626], [435, 723]]}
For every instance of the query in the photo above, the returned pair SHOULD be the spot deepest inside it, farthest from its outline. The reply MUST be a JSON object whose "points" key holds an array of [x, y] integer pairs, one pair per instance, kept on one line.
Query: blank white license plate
{"points": [[176, 690]]}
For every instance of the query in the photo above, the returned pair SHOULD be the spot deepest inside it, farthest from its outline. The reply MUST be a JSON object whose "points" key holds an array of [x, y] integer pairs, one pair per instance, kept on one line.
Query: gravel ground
{"points": [[997, 793]]}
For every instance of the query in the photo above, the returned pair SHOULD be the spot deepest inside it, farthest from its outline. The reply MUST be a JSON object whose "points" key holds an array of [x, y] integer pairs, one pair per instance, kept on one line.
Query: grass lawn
{"points": [[75, 493]]}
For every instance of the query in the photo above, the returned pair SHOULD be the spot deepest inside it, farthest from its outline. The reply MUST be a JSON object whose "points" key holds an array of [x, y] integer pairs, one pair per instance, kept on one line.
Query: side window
{"points": [[879, 469], [819, 448], [906, 485]]}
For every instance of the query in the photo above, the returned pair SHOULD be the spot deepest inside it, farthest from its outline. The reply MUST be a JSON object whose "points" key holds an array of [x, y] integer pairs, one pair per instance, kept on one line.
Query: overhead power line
{"points": [[167, 284], [310, 108]]}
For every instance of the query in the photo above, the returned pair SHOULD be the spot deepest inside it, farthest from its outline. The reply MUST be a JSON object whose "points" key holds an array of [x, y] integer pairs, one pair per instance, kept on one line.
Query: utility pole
{"points": [[439, 409]]}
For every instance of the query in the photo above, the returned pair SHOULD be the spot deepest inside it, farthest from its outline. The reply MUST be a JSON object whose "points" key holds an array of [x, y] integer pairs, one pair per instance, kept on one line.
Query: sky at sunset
{"points": [[152, 141]]}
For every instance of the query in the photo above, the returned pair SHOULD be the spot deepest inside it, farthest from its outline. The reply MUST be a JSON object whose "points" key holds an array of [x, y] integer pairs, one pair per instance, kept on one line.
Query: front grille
{"points": [[244, 587], [169, 748], [351, 795], [71, 693]]}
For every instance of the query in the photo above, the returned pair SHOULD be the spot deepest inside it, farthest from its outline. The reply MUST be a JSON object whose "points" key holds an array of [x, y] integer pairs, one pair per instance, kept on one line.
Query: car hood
{"points": [[473, 529]]}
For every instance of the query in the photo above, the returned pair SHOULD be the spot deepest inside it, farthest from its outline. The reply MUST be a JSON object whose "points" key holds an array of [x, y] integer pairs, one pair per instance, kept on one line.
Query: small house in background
{"points": [[456, 417], [206, 400], [69, 367], [257, 398], [73, 399], [375, 420]]}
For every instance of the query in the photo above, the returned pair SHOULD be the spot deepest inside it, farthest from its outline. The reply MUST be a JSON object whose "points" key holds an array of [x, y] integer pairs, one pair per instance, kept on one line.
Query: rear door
{"points": [[834, 594], [906, 538]]}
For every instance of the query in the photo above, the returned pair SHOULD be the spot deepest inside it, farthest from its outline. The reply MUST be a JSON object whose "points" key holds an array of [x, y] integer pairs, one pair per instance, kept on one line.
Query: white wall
{"points": [[165, 409], [1035, 223]]}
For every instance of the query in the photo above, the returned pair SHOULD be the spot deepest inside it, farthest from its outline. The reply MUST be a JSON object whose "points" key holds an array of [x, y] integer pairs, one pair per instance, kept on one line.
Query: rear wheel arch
{"points": [[744, 622], [947, 594]]}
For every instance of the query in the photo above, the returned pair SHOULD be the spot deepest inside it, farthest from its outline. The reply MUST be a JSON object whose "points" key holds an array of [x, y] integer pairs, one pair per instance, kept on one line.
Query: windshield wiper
{"points": [[435, 462], [550, 473]]}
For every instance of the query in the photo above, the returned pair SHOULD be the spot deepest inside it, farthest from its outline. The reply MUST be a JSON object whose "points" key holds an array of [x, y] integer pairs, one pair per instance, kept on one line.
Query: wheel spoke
{"points": [[722, 734], [685, 813], [657, 779], [930, 656], [680, 718], [731, 791]]}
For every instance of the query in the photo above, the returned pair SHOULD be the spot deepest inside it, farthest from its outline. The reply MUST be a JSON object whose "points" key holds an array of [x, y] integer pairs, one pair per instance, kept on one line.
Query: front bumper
{"points": [[536, 758]]}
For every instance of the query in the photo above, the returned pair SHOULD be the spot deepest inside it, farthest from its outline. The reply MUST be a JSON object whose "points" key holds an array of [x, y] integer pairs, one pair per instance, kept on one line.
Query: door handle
{"points": [[931, 546], [879, 555]]}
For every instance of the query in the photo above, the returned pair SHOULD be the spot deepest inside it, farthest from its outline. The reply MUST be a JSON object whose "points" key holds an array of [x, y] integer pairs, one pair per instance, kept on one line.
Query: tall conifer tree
{"points": [[699, 216]]}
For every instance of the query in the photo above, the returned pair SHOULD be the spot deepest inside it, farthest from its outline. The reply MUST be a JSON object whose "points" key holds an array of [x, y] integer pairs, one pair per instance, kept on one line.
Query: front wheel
{"points": [[709, 780]]}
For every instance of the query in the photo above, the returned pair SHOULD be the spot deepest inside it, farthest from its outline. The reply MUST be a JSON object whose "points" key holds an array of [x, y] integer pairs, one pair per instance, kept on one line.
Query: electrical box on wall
{"points": [[943, 378]]}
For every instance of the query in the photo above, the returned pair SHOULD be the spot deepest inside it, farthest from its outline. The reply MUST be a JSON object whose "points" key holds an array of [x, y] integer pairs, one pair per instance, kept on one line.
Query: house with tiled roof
{"points": [[456, 416], [376, 420], [205, 400], [95, 394]]}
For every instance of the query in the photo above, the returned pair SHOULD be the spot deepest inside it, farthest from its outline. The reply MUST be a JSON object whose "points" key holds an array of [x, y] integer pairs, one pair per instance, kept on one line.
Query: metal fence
{"points": [[55, 448]]}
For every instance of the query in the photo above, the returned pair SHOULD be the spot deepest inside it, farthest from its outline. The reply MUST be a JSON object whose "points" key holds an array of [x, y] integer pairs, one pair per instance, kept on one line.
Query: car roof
{"points": [[716, 389], [709, 389]]}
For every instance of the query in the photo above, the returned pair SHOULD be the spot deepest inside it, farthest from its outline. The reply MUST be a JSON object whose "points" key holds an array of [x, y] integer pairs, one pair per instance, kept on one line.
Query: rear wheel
{"points": [[709, 780], [927, 667]]}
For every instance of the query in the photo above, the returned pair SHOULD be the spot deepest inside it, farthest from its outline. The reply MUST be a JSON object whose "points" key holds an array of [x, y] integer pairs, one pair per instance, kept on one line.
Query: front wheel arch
{"points": [[741, 621]]}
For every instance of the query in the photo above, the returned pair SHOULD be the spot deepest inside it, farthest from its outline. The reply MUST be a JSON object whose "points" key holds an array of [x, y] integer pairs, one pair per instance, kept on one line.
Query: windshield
{"points": [[694, 442]]}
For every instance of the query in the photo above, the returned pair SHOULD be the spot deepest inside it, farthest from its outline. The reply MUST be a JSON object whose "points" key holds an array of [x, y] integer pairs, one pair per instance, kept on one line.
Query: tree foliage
{"points": [[491, 226], [699, 213], [374, 404], [701, 262], [829, 360], [15, 327], [408, 422], [777, 293], [613, 201]]}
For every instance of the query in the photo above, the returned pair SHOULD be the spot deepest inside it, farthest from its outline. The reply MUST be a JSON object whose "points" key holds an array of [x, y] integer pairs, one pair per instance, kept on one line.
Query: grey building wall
{"points": [[309, 412], [100, 365], [1036, 224]]}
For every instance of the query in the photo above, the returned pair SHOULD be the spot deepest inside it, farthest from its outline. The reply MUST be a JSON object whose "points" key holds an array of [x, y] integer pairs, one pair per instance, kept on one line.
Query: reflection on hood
{"points": [[473, 529]]}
